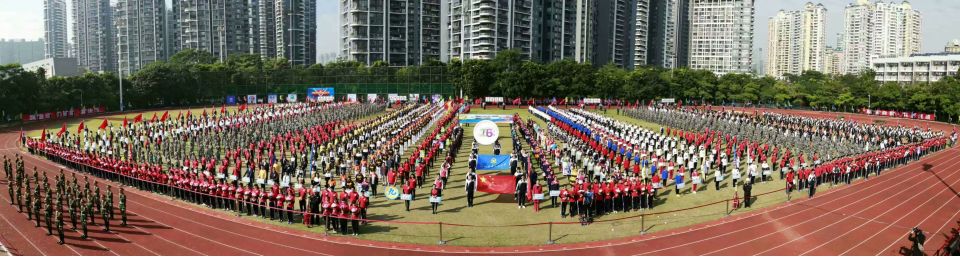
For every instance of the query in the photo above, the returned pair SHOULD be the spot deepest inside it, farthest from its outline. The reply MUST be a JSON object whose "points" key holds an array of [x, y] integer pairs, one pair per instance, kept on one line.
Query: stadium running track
{"points": [[871, 217]]}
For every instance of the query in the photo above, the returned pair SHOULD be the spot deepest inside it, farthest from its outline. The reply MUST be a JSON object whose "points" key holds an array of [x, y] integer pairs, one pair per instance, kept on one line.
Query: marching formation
{"points": [[266, 161], [616, 166], [321, 164], [44, 203]]}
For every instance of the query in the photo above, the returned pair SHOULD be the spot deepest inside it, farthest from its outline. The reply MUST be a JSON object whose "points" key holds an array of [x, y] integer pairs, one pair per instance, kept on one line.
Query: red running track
{"points": [[868, 218]]}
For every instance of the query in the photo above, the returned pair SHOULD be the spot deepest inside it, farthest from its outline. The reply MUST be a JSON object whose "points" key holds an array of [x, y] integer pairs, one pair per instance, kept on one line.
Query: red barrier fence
{"points": [[72, 112], [897, 114]]}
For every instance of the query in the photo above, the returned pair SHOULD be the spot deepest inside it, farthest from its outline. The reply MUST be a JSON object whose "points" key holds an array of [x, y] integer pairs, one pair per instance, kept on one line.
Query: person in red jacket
{"points": [[326, 208], [289, 203], [564, 201], [537, 189], [355, 217], [408, 195], [278, 203], [435, 192], [363, 203], [344, 215], [333, 215]]}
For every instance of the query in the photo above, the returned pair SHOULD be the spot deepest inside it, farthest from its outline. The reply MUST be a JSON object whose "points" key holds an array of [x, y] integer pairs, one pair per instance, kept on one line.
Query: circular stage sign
{"points": [[486, 132], [392, 193]]}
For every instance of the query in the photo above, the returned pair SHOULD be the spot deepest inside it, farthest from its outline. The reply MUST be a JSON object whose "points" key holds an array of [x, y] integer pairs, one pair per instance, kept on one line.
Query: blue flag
{"points": [[493, 162]]}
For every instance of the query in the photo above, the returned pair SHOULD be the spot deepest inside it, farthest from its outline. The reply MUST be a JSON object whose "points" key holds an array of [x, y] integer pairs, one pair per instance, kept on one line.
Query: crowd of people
{"points": [[46, 203], [326, 159], [614, 166], [321, 164]]}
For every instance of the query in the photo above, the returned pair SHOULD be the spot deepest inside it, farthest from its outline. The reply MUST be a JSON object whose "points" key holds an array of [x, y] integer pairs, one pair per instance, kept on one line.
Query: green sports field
{"points": [[495, 220]]}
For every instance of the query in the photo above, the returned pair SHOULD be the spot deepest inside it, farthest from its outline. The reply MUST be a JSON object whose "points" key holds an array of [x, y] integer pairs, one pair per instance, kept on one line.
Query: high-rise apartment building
{"points": [[20, 51], [833, 61], [220, 27], [641, 36], [55, 28], [555, 29], [266, 28], [796, 41], [721, 35], [478, 29], [874, 30], [398, 32], [296, 31], [142, 33], [94, 36], [615, 30], [668, 34]]}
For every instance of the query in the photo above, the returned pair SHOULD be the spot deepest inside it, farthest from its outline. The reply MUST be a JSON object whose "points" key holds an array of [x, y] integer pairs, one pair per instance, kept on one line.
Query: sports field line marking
{"points": [[25, 238], [163, 238], [950, 219], [780, 230], [894, 222], [856, 189], [902, 217], [861, 211]]}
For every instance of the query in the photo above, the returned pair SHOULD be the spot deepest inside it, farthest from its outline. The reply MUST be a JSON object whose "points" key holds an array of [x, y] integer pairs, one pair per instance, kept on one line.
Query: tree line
{"points": [[194, 77]]}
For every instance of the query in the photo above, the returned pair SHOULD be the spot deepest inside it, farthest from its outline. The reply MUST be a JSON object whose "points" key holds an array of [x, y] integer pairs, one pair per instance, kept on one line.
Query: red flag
{"points": [[204, 113], [179, 115], [125, 121], [104, 124], [497, 184], [223, 109], [138, 118], [166, 115], [80, 128], [43, 135], [154, 119], [63, 129], [188, 113], [243, 107]]}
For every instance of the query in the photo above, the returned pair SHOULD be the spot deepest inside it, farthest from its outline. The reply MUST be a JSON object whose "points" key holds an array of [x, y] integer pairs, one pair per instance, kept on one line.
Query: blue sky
{"points": [[24, 19]]}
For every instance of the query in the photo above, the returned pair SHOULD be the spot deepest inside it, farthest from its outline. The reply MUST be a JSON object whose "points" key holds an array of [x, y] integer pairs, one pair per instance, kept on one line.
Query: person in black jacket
{"points": [[521, 193], [471, 186], [746, 194]]}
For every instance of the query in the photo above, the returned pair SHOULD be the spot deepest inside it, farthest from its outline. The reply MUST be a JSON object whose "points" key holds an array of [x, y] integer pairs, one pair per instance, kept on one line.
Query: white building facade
{"points": [[796, 41], [919, 68], [875, 30], [721, 35]]}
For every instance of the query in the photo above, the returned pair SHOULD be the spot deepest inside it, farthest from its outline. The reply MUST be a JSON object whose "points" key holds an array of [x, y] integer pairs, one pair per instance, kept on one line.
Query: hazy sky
{"points": [[24, 19]]}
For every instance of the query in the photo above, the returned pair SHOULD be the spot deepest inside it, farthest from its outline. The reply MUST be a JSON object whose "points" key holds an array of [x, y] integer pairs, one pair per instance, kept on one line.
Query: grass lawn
{"points": [[492, 215]]}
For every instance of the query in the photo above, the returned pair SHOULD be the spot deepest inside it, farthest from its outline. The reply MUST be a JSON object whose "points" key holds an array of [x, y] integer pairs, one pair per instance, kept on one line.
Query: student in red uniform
{"points": [[289, 201], [564, 201], [407, 190], [537, 189], [344, 215], [266, 202], [435, 192], [333, 217], [362, 204], [326, 208], [355, 217]]}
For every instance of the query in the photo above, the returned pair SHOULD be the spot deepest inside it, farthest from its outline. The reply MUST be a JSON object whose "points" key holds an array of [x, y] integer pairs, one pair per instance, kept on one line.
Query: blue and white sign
{"points": [[477, 118]]}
